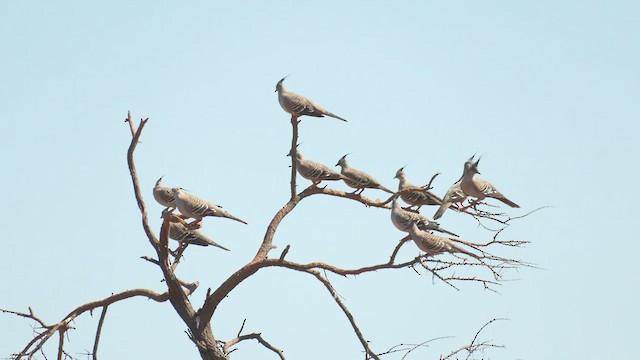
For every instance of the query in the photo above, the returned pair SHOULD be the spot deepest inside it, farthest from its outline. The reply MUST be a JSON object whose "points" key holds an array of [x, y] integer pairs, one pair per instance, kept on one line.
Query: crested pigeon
{"points": [[402, 219], [417, 197], [357, 179], [163, 194], [298, 105], [312, 170], [197, 208], [479, 188], [434, 244], [179, 232], [453, 195]]}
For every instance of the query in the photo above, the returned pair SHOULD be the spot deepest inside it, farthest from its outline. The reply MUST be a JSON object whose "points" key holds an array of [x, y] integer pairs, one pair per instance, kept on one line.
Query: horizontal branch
{"points": [[314, 190]]}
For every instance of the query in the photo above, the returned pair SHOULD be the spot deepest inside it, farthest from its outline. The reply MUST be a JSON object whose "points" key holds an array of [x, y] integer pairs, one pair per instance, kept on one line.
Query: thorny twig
{"points": [[475, 346]]}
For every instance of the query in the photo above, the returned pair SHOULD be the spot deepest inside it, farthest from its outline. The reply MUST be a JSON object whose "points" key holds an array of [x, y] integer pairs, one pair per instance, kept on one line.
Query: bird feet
{"points": [[195, 224]]}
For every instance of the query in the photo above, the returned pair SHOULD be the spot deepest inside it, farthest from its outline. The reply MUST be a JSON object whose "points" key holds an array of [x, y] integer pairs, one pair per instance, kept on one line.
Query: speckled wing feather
{"points": [[314, 171], [435, 244], [489, 190], [359, 179], [420, 197], [197, 208]]}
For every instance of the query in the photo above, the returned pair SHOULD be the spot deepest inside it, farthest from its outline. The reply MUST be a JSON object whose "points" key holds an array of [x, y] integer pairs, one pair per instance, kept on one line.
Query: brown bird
{"points": [[479, 188], [434, 244], [416, 197], [298, 105]]}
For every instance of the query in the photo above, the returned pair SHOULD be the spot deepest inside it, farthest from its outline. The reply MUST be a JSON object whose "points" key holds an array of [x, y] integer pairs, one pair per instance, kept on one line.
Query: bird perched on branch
{"points": [[453, 195], [298, 105], [163, 195], [417, 197], [312, 170], [179, 232], [479, 188], [194, 207], [434, 244], [357, 179], [402, 219]]}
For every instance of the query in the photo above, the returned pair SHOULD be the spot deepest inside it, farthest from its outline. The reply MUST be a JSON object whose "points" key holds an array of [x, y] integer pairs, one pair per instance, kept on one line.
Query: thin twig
{"points": [[99, 331], [294, 143], [252, 336]]}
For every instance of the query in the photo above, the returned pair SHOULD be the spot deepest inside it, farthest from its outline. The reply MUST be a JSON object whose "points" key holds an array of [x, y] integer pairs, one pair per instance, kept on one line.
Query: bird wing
{"points": [[421, 197], [490, 191], [428, 242], [360, 179], [315, 171], [486, 187], [201, 239], [300, 105], [196, 206]]}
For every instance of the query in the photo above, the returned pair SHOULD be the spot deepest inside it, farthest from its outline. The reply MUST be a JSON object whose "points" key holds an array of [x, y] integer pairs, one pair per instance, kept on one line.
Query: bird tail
{"points": [[508, 202], [206, 242], [463, 251], [385, 189], [213, 243], [335, 116], [443, 207], [446, 231], [235, 218]]}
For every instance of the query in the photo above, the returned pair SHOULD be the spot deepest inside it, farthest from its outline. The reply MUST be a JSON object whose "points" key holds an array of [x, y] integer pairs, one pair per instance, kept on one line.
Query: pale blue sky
{"points": [[547, 92]]}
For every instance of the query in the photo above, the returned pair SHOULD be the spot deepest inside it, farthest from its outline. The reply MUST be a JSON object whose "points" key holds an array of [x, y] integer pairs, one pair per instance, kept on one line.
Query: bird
{"points": [[402, 219], [434, 244], [197, 208], [163, 195], [417, 197], [312, 170], [298, 105], [179, 232], [453, 195], [357, 179], [479, 188]]}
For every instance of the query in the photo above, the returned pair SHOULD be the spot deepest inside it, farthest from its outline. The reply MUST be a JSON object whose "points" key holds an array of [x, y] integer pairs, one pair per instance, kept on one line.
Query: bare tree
{"points": [[486, 269]]}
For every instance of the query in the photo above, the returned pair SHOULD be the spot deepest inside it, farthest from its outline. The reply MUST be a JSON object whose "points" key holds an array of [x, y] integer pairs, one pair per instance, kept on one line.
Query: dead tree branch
{"points": [[294, 142], [253, 336], [62, 326], [98, 332]]}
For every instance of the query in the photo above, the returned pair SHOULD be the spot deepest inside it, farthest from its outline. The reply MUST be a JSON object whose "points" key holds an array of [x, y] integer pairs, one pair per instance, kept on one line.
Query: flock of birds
{"points": [[407, 219]]}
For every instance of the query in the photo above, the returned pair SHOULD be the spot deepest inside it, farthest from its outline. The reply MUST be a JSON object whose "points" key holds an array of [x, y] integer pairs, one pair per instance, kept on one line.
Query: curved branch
{"points": [[103, 315], [253, 336], [62, 326], [134, 178]]}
